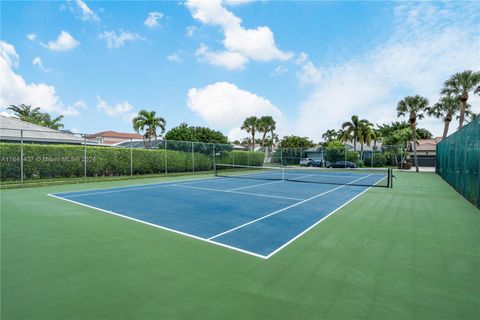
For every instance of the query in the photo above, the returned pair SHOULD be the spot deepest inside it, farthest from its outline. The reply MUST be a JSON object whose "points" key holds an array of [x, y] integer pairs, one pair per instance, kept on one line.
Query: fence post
{"points": [[85, 157], [214, 155], [193, 158], [166, 161], [281, 156], [131, 157], [21, 157], [371, 159], [345, 151]]}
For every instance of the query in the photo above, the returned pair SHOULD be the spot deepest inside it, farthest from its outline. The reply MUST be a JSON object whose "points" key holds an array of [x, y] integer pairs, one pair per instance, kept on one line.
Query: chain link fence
{"points": [[29, 156], [458, 161]]}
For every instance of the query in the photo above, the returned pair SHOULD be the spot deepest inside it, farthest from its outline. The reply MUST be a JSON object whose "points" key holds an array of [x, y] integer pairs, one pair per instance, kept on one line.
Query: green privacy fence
{"points": [[458, 161]]}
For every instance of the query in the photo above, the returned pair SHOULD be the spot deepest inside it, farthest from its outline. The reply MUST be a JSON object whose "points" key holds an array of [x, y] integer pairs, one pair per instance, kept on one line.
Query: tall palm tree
{"points": [[460, 84], [413, 106], [250, 125], [445, 109], [148, 122], [329, 135], [354, 127], [376, 137], [266, 125]]}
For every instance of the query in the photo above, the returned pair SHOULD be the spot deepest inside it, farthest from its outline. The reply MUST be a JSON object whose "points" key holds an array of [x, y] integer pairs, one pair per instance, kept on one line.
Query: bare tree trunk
{"points": [[445, 129], [414, 139], [463, 106], [253, 140]]}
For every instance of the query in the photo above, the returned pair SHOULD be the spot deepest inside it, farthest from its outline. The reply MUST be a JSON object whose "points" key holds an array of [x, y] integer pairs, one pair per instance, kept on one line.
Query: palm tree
{"points": [[445, 108], [329, 135], [250, 125], [460, 84], [365, 136], [376, 137], [344, 135], [23, 111], [54, 123], [266, 125], [148, 121], [353, 128], [414, 107]]}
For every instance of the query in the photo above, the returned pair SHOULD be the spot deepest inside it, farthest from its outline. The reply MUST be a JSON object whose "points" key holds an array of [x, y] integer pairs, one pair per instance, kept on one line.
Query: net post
{"points": [[21, 157]]}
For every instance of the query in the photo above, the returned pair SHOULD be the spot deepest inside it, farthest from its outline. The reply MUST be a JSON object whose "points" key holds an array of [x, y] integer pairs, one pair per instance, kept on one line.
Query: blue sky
{"points": [[311, 65]]}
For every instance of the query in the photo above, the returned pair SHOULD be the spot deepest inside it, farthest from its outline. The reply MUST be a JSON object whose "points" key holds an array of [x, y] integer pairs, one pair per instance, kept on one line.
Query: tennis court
{"points": [[255, 210]]}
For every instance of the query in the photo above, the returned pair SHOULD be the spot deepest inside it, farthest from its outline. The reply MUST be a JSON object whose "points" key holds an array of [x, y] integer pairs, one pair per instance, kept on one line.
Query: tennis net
{"points": [[371, 177]]}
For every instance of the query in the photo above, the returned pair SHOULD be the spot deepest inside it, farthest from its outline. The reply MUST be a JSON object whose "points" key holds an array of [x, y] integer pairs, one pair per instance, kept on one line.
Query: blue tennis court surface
{"points": [[245, 214]]}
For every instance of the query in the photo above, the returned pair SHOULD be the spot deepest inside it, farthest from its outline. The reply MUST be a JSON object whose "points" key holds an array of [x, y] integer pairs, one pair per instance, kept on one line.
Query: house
{"points": [[113, 137], [15, 130], [314, 153], [426, 151]]}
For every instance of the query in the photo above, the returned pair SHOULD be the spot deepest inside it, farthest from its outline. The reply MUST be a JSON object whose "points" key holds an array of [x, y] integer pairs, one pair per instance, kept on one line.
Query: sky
{"points": [[310, 64]]}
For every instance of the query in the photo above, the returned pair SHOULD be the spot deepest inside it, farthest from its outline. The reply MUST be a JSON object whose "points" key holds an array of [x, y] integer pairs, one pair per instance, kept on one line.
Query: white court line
{"points": [[283, 209], [316, 223], [161, 227], [239, 192], [255, 185], [135, 187]]}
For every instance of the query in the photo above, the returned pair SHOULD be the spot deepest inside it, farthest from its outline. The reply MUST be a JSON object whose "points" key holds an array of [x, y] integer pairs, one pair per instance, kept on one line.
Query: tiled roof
{"points": [[114, 134]]}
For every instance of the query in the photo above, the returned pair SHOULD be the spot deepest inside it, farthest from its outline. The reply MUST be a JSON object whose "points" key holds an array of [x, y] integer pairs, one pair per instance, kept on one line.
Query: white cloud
{"points": [[64, 42], [152, 20], [38, 62], [224, 105], [31, 36], [279, 71], [120, 110], [430, 42], [174, 57], [115, 40], [9, 54], [191, 31], [15, 90], [308, 73], [252, 44], [81, 11], [227, 59]]}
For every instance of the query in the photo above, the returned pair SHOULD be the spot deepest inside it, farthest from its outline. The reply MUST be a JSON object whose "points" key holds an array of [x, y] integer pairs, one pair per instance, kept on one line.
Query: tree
{"points": [[460, 84], [148, 122], [184, 132], [413, 106], [329, 135], [344, 135], [365, 136], [34, 115], [296, 142], [353, 127], [266, 125], [445, 109], [250, 125]]}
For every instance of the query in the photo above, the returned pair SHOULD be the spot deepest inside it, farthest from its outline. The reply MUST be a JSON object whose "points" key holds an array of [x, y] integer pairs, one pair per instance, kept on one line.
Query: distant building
{"points": [[15, 130], [426, 151], [113, 137]]}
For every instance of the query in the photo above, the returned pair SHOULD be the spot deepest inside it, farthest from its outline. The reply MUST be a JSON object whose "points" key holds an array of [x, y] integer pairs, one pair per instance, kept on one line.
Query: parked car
{"points": [[342, 164], [321, 163], [306, 162]]}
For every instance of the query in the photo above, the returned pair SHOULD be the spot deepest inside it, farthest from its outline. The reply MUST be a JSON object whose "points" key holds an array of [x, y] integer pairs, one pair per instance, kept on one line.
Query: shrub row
{"points": [[67, 161]]}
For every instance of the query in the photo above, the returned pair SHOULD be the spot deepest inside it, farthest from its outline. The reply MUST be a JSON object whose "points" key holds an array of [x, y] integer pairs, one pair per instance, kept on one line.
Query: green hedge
{"points": [[67, 161]]}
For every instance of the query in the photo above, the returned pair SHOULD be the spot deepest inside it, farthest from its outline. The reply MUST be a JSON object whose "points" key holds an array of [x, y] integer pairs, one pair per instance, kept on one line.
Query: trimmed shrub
{"points": [[67, 161]]}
